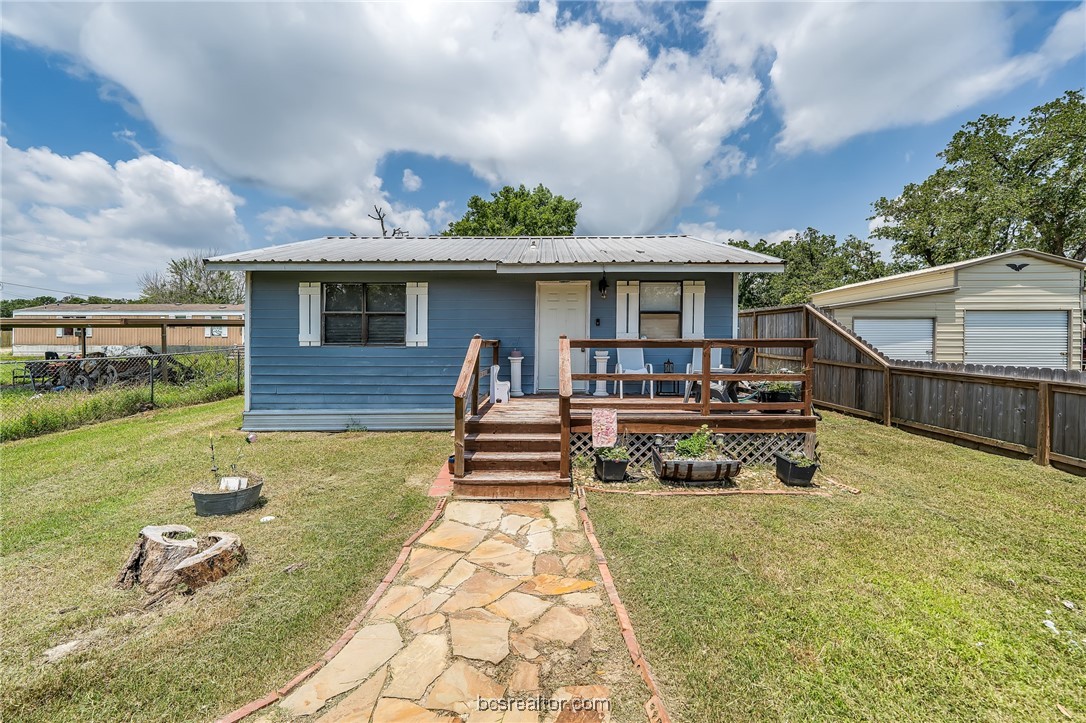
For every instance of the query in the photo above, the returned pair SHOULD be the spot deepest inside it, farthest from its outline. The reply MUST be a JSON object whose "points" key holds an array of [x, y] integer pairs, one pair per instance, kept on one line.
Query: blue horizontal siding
{"points": [[285, 376]]}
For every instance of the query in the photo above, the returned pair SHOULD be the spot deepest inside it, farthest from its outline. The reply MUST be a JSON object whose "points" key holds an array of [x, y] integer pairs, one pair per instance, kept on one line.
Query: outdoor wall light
{"points": [[603, 286]]}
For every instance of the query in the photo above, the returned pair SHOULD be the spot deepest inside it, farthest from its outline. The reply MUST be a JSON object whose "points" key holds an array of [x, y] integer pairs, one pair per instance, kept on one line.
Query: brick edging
{"points": [[405, 550], [704, 493], [655, 710]]}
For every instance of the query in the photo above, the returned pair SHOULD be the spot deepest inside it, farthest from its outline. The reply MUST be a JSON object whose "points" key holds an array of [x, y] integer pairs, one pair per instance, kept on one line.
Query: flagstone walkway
{"points": [[498, 616]]}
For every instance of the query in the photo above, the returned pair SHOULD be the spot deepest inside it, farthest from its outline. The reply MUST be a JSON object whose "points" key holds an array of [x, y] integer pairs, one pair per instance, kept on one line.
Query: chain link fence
{"points": [[46, 395]]}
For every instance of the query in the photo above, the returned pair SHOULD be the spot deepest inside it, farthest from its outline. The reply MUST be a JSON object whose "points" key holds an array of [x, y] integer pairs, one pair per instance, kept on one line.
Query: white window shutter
{"points": [[60, 331], [89, 332], [309, 313], [693, 310], [207, 329], [417, 313], [628, 311]]}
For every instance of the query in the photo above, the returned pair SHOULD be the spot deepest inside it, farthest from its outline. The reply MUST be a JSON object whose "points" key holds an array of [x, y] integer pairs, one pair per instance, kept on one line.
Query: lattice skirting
{"points": [[747, 448]]}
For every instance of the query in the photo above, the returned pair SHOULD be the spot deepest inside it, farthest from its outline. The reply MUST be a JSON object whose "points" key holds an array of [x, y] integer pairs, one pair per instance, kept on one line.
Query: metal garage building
{"points": [[1020, 308]]}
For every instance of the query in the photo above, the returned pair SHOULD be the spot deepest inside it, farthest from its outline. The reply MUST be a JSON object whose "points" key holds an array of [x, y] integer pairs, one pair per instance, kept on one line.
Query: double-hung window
{"points": [[661, 309], [364, 314]]}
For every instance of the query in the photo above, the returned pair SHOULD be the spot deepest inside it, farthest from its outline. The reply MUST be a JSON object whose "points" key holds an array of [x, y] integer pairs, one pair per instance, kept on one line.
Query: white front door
{"points": [[561, 308]]}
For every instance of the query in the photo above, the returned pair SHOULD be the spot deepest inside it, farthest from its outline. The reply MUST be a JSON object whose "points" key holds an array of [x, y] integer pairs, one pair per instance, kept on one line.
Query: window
{"points": [[219, 331], [661, 309], [371, 314]]}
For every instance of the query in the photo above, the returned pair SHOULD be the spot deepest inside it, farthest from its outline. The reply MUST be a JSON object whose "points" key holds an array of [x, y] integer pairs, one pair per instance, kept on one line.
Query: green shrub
{"points": [[695, 446]]}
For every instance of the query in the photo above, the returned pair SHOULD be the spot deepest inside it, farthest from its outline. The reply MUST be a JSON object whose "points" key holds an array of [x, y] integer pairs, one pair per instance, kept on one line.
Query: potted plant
{"points": [[235, 492], [611, 463], [778, 392], [697, 458], [795, 470]]}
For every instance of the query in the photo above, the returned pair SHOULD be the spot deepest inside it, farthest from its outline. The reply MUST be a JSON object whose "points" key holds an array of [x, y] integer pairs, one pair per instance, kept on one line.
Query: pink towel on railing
{"points": [[604, 427]]}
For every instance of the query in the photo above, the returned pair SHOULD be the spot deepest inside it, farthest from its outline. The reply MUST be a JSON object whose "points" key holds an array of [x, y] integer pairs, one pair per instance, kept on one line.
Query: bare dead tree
{"points": [[380, 218]]}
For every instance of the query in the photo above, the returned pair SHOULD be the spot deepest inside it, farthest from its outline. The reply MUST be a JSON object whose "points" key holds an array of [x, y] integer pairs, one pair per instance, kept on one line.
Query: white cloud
{"points": [[520, 97], [85, 225], [411, 182], [710, 232], [838, 70]]}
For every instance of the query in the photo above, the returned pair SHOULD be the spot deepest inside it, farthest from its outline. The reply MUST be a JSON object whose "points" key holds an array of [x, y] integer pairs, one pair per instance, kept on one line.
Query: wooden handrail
{"points": [[470, 375], [565, 392]]}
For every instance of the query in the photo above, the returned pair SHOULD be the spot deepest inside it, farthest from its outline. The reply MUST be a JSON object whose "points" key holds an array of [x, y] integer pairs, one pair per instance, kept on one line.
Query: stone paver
{"points": [[479, 590], [368, 650], [503, 557], [426, 566], [479, 514], [453, 536], [491, 600], [480, 635], [416, 666], [519, 607], [555, 585], [559, 624]]}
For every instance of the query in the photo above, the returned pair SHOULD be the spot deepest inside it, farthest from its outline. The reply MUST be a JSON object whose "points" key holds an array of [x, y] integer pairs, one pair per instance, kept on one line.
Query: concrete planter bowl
{"points": [[209, 504]]}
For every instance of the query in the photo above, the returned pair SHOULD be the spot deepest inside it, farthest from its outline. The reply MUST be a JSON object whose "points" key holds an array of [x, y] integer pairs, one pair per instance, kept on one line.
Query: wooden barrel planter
{"points": [[694, 471]]}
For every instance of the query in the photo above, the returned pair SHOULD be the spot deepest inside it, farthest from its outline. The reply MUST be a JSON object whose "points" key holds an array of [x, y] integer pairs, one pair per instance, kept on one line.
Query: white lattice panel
{"points": [[747, 448]]}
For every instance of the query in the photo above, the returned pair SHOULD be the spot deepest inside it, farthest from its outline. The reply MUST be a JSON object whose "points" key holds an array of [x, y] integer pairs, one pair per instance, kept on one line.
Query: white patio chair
{"points": [[499, 391], [632, 361]]}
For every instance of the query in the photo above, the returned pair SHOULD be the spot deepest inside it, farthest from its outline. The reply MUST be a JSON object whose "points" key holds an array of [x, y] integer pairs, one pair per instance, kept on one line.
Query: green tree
{"points": [[814, 261], [7, 306], [1003, 186], [518, 212], [187, 281]]}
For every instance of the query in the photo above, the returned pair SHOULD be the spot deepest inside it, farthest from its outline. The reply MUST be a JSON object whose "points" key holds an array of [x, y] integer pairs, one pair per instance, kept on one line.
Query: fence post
{"points": [[237, 363], [151, 374], [887, 396], [1044, 423]]}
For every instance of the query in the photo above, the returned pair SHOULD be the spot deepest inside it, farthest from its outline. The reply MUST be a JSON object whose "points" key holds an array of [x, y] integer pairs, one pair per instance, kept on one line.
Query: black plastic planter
{"points": [[209, 504], [792, 474], [611, 470]]}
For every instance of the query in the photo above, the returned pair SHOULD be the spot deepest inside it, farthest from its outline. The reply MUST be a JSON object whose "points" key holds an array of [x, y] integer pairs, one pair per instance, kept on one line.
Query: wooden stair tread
{"points": [[479, 455], [511, 477], [512, 436]]}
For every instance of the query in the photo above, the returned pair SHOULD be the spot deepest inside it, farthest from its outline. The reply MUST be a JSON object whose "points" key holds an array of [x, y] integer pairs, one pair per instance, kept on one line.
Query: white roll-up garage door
{"points": [[908, 339], [1017, 338]]}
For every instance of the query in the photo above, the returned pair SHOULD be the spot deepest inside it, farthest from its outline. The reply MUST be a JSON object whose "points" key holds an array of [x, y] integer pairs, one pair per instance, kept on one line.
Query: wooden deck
{"points": [[521, 449]]}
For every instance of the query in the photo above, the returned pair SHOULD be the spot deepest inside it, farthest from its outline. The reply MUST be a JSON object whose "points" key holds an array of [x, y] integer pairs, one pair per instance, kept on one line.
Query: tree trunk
{"points": [[224, 553], [155, 556]]}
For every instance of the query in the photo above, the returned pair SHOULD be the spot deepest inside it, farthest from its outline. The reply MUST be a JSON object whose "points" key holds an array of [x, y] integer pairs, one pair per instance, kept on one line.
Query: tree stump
{"points": [[224, 555], [155, 556], [159, 561]]}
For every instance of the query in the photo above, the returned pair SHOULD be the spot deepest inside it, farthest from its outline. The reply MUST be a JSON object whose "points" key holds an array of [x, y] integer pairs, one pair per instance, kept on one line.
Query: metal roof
{"points": [[958, 265], [522, 251]]}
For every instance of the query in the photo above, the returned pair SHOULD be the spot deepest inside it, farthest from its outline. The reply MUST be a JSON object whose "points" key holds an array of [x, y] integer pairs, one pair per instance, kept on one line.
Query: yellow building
{"points": [[1019, 308], [67, 339]]}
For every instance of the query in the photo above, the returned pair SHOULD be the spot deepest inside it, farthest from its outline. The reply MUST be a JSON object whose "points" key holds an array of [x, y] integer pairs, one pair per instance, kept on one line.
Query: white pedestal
{"points": [[514, 376], [601, 368]]}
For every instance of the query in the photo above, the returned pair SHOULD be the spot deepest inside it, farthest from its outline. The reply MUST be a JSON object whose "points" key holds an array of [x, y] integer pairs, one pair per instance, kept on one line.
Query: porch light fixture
{"points": [[603, 286]]}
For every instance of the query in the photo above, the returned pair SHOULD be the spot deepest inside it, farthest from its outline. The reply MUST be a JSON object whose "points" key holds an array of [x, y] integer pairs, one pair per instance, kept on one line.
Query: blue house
{"points": [[348, 331]]}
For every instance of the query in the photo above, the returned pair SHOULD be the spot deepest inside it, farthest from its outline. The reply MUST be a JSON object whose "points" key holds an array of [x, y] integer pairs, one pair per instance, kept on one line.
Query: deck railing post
{"points": [[1044, 422], [808, 383], [458, 442], [706, 370], [565, 391], [475, 388]]}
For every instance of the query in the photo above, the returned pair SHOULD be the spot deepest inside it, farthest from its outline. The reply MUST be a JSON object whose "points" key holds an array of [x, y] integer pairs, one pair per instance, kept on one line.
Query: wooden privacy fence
{"points": [[1027, 410]]}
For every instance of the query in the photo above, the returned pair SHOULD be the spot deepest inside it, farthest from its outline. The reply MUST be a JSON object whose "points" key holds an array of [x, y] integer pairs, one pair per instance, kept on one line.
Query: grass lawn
{"points": [[73, 503], [924, 598]]}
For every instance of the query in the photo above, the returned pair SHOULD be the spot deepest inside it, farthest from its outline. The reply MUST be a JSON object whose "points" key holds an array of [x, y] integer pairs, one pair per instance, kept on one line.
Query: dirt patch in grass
{"points": [[74, 503]]}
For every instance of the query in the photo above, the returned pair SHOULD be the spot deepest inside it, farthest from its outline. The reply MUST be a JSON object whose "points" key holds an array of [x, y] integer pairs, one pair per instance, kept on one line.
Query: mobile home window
{"points": [[661, 309], [365, 314]]}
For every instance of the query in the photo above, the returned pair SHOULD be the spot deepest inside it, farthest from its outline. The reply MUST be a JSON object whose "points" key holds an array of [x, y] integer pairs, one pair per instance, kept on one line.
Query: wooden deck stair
{"points": [[513, 451]]}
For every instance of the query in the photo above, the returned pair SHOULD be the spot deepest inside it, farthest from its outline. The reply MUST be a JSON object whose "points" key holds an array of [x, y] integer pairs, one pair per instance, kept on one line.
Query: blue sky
{"points": [[138, 132]]}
